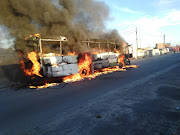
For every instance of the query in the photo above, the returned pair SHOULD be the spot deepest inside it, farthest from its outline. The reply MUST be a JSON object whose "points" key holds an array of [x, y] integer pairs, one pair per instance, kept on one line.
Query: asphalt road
{"points": [[138, 101]]}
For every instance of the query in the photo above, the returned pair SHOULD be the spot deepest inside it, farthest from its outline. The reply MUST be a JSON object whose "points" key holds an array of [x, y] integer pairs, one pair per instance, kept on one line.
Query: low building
{"points": [[167, 45], [141, 53], [162, 45], [155, 52]]}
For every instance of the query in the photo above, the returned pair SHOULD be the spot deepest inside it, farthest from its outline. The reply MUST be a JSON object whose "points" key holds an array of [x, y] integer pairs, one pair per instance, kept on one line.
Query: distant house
{"points": [[162, 45], [167, 45]]}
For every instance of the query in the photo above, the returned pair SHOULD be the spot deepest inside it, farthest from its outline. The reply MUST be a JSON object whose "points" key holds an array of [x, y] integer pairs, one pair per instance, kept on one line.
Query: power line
{"points": [[145, 36], [134, 30], [151, 34], [128, 31]]}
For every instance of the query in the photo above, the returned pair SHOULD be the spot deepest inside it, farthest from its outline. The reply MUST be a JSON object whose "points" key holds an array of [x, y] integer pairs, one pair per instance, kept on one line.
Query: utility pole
{"points": [[164, 41], [136, 43]]}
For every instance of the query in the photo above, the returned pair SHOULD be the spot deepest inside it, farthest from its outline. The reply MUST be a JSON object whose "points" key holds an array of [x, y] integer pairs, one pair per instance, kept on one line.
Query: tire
{"points": [[127, 61], [84, 72], [120, 65]]}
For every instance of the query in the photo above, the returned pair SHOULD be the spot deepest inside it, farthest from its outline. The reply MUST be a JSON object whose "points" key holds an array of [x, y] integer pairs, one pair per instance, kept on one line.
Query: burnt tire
{"points": [[120, 65], [84, 72], [127, 62]]}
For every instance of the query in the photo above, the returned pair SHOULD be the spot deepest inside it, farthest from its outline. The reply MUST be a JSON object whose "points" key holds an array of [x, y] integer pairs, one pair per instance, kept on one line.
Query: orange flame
{"points": [[85, 70], [71, 53], [36, 35], [121, 60], [32, 56], [84, 64], [132, 66], [46, 85], [72, 78], [78, 77], [97, 51], [116, 51]]}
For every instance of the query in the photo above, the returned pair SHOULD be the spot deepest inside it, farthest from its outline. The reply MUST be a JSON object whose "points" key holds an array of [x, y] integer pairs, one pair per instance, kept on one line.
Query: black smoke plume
{"points": [[75, 19]]}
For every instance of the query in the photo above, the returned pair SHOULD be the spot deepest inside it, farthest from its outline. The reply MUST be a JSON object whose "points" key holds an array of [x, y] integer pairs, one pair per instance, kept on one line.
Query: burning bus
{"points": [[53, 63], [104, 54], [48, 60]]}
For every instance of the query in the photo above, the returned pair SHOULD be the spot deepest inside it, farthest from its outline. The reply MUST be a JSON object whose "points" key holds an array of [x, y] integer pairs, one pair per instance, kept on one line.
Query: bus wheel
{"points": [[120, 65], [127, 61], [84, 72]]}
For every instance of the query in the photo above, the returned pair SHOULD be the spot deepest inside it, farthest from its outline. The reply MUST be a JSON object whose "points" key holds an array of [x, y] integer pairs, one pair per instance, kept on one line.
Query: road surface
{"points": [[138, 101]]}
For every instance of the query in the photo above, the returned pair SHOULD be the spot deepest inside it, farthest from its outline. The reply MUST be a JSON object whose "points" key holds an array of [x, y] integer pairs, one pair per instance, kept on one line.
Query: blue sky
{"points": [[153, 19]]}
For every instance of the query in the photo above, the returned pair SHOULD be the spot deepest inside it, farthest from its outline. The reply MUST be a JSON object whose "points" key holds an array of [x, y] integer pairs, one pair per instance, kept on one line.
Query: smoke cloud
{"points": [[75, 19]]}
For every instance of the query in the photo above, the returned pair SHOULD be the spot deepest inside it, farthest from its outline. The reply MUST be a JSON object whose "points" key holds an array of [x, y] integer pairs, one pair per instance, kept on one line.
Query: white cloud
{"points": [[151, 28], [155, 23], [127, 10], [165, 2]]}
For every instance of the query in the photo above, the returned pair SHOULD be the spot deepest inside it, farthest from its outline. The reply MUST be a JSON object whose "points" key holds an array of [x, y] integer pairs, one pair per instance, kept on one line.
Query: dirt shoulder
{"points": [[6, 62]]}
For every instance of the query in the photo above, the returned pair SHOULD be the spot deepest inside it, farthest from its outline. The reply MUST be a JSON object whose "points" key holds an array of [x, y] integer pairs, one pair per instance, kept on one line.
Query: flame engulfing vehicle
{"points": [[54, 64]]}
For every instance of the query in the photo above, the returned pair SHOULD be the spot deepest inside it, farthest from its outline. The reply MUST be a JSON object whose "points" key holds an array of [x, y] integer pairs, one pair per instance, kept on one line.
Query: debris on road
{"points": [[98, 116]]}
